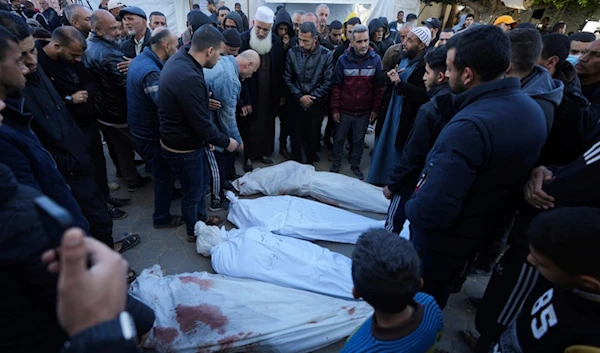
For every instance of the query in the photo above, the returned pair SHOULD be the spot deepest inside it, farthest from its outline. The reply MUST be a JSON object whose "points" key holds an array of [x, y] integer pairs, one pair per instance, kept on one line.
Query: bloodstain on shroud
{"points": [[227, 342], [211, 315], [165, 335], [204, 284], [351, 311]]}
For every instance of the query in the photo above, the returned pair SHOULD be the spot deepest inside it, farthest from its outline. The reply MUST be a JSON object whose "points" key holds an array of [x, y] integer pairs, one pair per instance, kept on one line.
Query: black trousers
{"points": [[303, 131], [92, 135], [93, 206]]}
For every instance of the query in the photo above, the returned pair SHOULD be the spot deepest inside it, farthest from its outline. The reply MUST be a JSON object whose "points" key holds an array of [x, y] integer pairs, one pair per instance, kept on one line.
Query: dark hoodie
{"points": [[237, 19], [196, 19], [573, 120], [545, 91], [283, 17], [374, 25]]}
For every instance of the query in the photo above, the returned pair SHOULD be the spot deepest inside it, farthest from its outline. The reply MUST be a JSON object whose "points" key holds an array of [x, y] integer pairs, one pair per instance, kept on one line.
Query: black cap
{"points": [[411, 16], [335, 25], [432, 22], [232, 38], [133, 10], [210, 2]]}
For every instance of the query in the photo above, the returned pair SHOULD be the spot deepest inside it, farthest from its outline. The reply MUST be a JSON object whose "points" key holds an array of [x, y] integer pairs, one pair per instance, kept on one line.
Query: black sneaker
{"points": [[141, 182], [335, 168], [116, 202], [116, 213], [219, 205], [358, 173]]}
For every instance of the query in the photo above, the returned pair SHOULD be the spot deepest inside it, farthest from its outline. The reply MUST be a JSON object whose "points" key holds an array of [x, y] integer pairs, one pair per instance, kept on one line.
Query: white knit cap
{"points": [[264, 14], [423, 33]]}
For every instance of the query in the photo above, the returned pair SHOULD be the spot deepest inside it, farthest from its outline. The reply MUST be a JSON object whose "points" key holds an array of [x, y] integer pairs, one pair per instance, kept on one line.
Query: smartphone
{"points": [[55, 218]]}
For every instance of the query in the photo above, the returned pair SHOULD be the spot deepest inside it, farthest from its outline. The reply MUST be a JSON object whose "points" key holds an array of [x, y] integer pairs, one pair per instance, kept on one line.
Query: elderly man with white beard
{"points": [[263, 93]]}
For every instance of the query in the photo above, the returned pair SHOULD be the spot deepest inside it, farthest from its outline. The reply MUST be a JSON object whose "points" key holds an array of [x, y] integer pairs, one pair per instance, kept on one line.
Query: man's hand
{"points": [[213, 104], [240, 147], [233, 145], [534, 194], [246, 110], [80, 97], [211, 147], [373, 117], [336, 117], [87, 296], [286, 41], [307, 100], [123, 66], [387, 193], [394, 75], [281, 102]]}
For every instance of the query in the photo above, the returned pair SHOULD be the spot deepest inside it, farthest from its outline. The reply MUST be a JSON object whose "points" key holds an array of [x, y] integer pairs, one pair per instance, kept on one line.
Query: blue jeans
{"points": [[163, 176], [191, 169]]}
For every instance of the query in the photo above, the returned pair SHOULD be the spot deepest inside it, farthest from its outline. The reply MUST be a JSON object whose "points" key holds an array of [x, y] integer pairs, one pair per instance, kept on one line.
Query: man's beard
{"points": [[411, 54], [262, 46], [457, 86], [131, 32]]}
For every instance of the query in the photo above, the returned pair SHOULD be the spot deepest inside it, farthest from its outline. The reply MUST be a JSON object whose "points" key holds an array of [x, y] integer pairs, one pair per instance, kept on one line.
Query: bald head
{"points": [[310, 17], [248, 62], [79, 17], [104, 25], [163, 43]]}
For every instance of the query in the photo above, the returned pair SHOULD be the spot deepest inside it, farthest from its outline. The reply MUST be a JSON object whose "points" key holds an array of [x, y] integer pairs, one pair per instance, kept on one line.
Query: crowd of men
{"points": [[486, 135]]}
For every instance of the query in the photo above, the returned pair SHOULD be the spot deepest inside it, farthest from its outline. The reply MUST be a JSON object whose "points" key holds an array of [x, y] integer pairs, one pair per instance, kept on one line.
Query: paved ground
{"points": [[170, 249]]}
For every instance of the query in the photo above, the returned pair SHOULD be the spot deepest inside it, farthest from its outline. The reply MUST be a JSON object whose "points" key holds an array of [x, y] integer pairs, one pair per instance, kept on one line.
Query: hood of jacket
{"points": [[539, 84], [8, 183], [197, 19], [374, 25], [568, 75], [237, 18], [283, 17]]}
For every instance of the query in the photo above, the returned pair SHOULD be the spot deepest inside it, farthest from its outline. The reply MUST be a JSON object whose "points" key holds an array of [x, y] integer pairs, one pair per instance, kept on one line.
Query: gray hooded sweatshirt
{"points": [[546, 91]]}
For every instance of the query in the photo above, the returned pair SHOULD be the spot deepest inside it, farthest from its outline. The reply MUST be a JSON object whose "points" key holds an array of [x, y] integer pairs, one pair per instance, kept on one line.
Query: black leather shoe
{"points": [[116, 213], [117, 202]]}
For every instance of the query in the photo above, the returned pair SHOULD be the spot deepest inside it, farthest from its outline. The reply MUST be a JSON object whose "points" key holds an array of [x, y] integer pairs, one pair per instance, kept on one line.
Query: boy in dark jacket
{"points": [[562, 316], [430, 120], [478, 166], [355, 97]]}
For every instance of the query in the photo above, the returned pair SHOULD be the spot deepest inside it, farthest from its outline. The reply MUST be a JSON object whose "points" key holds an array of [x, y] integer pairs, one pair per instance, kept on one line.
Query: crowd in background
{"points": [[486, 140]]}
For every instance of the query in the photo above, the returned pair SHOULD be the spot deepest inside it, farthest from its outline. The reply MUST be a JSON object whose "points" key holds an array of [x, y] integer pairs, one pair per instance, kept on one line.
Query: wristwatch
{"points": [[120, 329], [69, 99]]}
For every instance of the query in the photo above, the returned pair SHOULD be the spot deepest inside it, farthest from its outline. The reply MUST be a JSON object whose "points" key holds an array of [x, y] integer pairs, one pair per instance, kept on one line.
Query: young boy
{"points": [[563, 316], [387, 274]]}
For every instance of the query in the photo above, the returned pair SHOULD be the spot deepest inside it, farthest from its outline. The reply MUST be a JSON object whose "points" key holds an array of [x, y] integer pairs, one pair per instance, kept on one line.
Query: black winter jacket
{"points": [[415, 95], [28, 297], [54, 126], [101, 58], [573, 121], [69, 78], [431, 119], [184, 117], [128, 45], [308, 73]]}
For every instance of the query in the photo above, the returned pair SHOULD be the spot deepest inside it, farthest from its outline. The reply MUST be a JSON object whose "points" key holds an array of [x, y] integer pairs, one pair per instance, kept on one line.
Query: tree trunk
{"points": [[452, 16]]}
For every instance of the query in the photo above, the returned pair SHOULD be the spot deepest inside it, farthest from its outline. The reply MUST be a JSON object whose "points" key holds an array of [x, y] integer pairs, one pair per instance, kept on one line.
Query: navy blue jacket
{"points": [[28, 297], [475, 173], [32, 165], [142, 95]]}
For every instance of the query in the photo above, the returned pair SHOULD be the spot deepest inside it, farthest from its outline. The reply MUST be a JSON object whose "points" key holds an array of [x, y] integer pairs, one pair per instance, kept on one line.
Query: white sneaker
{"points": [[112, 186], [370, 129]]}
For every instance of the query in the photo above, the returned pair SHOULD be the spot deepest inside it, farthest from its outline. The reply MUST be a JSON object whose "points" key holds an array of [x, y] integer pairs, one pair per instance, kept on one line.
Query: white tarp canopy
{"points": [[175, 10]]}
